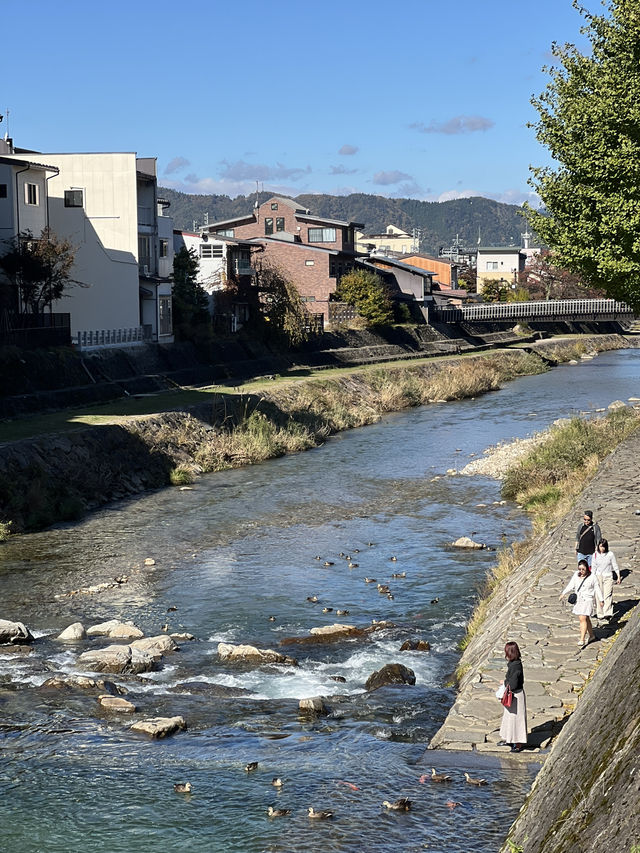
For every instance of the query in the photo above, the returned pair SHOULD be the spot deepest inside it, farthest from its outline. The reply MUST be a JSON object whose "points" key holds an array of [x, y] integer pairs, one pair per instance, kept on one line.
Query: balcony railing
{"points": [[113, 337]]}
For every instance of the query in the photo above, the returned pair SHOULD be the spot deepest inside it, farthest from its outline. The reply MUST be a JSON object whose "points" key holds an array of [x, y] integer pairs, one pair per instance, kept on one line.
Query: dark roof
{"points": [[13, 161], [289, 202], [310, 217], [212, 226], [510, 249], [307, 247]]}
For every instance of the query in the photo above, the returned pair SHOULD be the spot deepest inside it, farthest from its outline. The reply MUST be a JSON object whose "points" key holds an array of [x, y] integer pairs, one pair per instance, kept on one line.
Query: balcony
{"points": [[243, 267]]}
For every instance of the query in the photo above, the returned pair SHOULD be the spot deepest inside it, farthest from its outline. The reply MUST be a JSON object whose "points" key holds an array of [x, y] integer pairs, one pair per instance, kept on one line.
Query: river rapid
{"points": [[237, 549]]}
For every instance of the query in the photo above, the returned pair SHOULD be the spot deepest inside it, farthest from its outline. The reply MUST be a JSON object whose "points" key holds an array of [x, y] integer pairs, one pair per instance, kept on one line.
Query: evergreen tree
{"points": [[191, 317], [590, 122], [367, 292]]}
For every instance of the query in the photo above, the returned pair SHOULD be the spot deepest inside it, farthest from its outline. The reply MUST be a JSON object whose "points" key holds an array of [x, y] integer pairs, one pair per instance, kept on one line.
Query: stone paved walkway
{"points": [[526, 609]]}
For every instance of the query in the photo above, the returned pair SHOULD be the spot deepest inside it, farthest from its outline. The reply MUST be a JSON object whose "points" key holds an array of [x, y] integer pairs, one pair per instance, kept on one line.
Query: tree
{"points": [[282, 310], [543, 280], [590, 122], [37, 270], [495, 290], [367, 292], [191, 317]]}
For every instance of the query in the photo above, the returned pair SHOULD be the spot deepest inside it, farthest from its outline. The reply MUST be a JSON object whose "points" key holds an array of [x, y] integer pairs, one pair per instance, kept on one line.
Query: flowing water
{"points": [[239, 548]]}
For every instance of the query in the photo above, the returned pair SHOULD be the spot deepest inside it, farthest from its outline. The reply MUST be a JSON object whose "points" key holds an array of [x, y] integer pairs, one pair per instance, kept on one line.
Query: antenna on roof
{"points": [[257, 201]]}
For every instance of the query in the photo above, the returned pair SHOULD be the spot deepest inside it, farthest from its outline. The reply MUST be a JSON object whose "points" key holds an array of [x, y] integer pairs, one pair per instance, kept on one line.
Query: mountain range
{"points": [[473, 221]]}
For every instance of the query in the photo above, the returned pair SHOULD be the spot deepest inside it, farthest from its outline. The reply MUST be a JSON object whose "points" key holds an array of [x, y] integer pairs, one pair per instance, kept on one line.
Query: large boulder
{"points": [[116, 630], [155, 646], [465, 542], [117, 659], [252, 654], [14, 632], [158, 727], [392, 673], [83, 682], [313, 705], [73, 632], [116, 703], [334, 633]]}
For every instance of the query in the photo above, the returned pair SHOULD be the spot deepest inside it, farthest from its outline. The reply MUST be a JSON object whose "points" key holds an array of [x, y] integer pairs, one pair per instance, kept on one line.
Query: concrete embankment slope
{"points": [[587, 796]]}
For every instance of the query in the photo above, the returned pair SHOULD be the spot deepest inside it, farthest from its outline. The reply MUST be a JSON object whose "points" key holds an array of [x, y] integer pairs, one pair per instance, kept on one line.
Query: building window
{"points": [[164, 248], [226, 232], [268, 225], [274, 205], [3, 190], [165, 325], [31, 194], [309, 263], [207, 250], [73, 198], [492, 265], [280, 223], [308, 299], [322, 235]]}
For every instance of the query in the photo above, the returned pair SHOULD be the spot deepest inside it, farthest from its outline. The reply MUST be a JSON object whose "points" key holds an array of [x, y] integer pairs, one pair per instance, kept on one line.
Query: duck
{"points": [[170, 609], [393, 559], [328, 563], [342, 612], [277, 782], [370, 544], [401, 805], [390, 596], [435, 600], [342, 554], [183, 787], [473, 781], [356, 550], [313, 599], [317, 557], [439, 777], [352, 566], [273, 812], [272, 618], [383, 588], [322, 814], [399, 575], [327, 609], [370, 580], [251, 766], [451, 804], [165, 627]]}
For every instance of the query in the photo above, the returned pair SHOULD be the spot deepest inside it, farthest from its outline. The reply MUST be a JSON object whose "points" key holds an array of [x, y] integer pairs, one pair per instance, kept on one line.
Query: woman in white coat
{"points": [[603, 566], [583, 584]]}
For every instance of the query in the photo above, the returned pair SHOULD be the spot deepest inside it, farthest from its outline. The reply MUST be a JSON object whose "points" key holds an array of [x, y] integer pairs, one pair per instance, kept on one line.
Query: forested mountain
{"points": [[472, 219]]}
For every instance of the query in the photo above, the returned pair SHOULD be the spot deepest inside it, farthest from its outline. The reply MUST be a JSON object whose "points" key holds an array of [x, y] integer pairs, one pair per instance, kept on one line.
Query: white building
{"points": [[106, 204], [499, 263]]}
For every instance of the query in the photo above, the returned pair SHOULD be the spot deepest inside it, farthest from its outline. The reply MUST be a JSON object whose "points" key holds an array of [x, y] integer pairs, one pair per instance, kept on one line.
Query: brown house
{"points": [[312, 250], [445, 271]]}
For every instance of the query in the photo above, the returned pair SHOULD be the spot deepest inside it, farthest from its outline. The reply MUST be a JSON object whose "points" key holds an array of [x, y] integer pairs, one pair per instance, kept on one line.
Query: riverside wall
{"points": [[585, 726]]}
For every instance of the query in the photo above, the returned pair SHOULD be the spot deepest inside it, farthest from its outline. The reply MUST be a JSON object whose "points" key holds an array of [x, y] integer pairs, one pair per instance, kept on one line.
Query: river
{"points": [[237, 549]]}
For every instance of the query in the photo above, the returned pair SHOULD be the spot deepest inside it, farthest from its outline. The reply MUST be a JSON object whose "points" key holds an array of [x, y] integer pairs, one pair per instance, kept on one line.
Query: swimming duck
{"points": [[278, 812], [182, 787], [342, 554], [439, 777], [473, 781], [327, 609], [401, 805], [276, 782], [450, 804], [399, 575], [170, 609], [352, 566], [317, 557], [383, 588], [252, 765], [328, 563], [320, 815], [356, 550], [272, 618], [165, 627], [393, 559], [435, 600], [370, 544], [342, 612], [312, 598], [370, 580], [390, 596]]}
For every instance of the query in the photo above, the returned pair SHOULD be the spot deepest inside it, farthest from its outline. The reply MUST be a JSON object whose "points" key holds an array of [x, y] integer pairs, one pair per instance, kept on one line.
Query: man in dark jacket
{"points": [[587, 537]]}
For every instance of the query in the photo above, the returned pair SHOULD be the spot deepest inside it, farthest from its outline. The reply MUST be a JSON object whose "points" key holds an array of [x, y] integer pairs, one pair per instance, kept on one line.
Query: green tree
{"points": [[589, 119], [37, 271], [495, 290], [368, 294], [191, 317]]}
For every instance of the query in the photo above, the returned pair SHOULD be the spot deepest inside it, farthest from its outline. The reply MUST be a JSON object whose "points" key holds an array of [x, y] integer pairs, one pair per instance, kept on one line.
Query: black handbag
{"points": [[573, 596]]}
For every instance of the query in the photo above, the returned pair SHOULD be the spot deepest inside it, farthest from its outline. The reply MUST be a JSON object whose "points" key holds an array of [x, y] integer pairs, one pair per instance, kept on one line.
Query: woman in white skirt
{"points": [[583, 584], [603, 566], [513, 729]]}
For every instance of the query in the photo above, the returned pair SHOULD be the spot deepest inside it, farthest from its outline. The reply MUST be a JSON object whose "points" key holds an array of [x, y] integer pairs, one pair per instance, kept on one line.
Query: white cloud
{"points": [[347, 150], [241, 170], [384, 179], [175, 165], [455, 125], [342, 170]]}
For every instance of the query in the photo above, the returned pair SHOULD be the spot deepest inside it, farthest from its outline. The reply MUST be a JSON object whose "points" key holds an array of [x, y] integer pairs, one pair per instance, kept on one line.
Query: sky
{"points": [[423, 99]]}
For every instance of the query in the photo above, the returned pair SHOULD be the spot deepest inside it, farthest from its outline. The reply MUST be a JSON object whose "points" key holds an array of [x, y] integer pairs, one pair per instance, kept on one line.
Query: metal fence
{"points": [[113, 337], [32, 331], [562, 309], [341, 312]]}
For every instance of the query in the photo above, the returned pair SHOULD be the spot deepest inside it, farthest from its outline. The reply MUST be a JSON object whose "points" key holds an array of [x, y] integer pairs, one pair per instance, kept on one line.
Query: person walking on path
{"points": [[603, 566], [587, 537], [513, 729], [581, 593]]}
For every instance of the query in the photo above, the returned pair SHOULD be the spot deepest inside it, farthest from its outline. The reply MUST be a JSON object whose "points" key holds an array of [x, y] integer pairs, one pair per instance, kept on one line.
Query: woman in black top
{"points": [[513, 729]]}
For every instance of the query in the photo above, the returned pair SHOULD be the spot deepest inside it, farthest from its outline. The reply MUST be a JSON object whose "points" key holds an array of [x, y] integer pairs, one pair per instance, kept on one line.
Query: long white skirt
{"points": [[514, 720], [604, 592]]}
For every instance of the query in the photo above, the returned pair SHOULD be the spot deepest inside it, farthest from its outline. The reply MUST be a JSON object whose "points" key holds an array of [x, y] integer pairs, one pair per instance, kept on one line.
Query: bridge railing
{"points": [[561, 309]]}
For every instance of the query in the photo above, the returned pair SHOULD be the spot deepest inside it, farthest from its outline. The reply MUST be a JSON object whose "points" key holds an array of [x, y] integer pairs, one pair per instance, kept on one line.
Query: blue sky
{"points": [[424, 98]]}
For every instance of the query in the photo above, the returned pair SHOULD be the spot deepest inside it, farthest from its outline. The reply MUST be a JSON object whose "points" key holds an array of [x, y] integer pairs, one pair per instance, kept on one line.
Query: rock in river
{"points": [[251, 654], [73, 632], [14, 632], [118, 659], [159, 727], [465, 542], [116, 630], [392, 673]]}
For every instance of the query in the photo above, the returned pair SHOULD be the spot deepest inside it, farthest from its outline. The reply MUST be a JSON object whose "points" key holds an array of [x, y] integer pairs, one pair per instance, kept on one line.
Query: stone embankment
{"points": [[525, 608], [583, 703]]}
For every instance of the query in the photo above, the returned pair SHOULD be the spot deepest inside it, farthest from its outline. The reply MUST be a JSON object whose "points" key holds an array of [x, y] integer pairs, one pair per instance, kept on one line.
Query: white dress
{"points": [[585, 605]]}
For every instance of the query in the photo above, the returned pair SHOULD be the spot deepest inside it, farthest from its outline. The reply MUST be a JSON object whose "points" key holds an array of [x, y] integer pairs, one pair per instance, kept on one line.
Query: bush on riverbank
{"points": [[547, 481]]}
